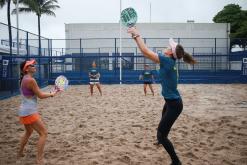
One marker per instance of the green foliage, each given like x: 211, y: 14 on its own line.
x: 241, y: 32
x: 233, y: 14
x: 2, y: 3
x: 38, y: 7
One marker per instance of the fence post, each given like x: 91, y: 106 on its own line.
x: 80, y: 46
x: 144, y: 39
x: 51, y: 59
x: 178, y: 60
x: 39, y: 62
x: 215, y: 55
x: 11, y: 63
x: 115, y: 58
x: 228, y: 53
x: 80, y: 59
x: 99, y: 57
x: 193, y: 52
x: 27, y: 47
x: 136, y: 59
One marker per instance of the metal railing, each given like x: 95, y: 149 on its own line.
x: 73, y: 58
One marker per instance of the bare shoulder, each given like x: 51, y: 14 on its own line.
x: 31, y: 81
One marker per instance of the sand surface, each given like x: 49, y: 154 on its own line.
x: 120, y: 127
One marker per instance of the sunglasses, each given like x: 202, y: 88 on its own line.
x: 31, y: 66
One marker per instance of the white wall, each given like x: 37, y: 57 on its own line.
x: 185, y: 31
x: 197, y: 38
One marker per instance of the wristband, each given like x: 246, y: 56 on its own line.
x: 135, y: 36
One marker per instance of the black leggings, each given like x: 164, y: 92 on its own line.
x: 171, y: 111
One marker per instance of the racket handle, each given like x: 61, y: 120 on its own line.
x: 57, y: 89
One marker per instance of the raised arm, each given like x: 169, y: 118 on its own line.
x: 142, y: 46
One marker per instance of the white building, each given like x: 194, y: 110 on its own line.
x: 192, y: 35
x: 197, y: 38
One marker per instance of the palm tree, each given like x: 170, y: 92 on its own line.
x: 38, y: 7
x: 2, y: 3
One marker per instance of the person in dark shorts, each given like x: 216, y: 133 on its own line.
x: 94, y: 77
x: 147, y: 77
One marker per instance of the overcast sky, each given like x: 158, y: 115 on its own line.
x: 107, y: 11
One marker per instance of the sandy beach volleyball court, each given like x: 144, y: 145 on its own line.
x: 119, y: 128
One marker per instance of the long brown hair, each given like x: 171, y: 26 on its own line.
x: 21, y: 69
x: 186, y: 56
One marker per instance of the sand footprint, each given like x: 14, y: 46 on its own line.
x: 183, y: 132
x: 100, y: 137
x: 191, y: 155
x: 147, y: 148
x: 137, y: 125
x: 125, y: 159
x: 137, y: 146
x: 221, y: 148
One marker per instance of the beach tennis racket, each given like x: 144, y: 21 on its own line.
x: 61, y: 83
x: 129, y: 17
x: 140, y: 77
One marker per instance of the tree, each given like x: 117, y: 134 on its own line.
x: 39, y: 7
x: 242, y: 31
x: 234, y: 15
x: 241, y: 36
x: 2, y: 3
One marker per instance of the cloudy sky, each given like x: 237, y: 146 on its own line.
x: 107, y: 11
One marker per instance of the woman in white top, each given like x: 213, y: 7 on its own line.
x: 28, y: 112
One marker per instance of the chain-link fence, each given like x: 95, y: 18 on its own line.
x: 216, y: 63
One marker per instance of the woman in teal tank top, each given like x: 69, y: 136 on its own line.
x: 168, y: 75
